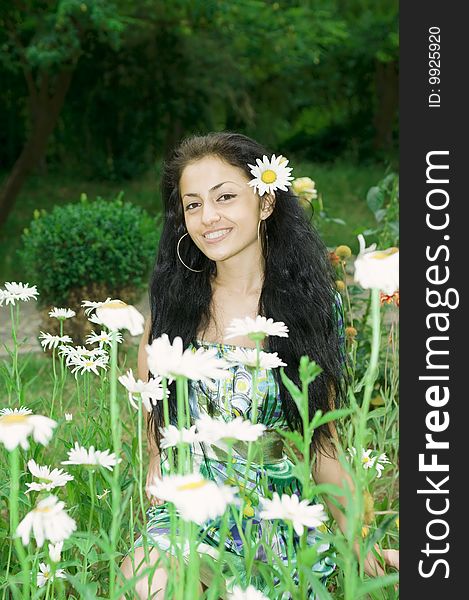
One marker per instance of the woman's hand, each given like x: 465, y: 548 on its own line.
x: 154, y: 471
x: 372, y: 565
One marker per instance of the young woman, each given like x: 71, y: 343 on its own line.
x: 233, y: 246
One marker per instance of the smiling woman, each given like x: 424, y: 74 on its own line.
x: 235, y: 246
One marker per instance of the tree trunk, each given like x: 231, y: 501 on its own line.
x: 45, y: 111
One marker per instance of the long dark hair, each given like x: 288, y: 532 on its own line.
x: 298, y: 283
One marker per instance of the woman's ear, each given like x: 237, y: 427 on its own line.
x: 267, y: 204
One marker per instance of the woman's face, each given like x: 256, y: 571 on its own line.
x: 221, y: 210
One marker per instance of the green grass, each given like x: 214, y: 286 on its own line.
x: 343, y: 187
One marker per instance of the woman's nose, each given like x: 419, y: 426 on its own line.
x: 209, y: 213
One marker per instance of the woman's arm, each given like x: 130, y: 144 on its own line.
x: 154, y: 468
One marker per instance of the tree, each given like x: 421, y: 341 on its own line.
x: 45, y: 40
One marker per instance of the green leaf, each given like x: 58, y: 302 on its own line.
x: 333, y: 415
x: 378, y: 583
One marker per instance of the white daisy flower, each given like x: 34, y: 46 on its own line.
x: 172, y: 436
x: 103, y: 338
x: 49, y: 479
x: 45, y: 575
x: 90, y: 306
x: 289, y: 508
x: 259, y: 325
x: 62, y: 313
x: 73, y: 355
x: 169, y: 360
x: 148, y: 391
x: 18, y: 424
x: 49, y: 341
x: 197, y: 499
x: 47, y: 521
x: 368, y: 461
x: 18, y: 291
x: 270, y: 175
x: 377, y: 269
x: 212, y: 430
x: 115, y: 314
x: 68, y: 417
x: 85, y: 365
x: 79, y: 455
x: 247, y: 357
x: 55, y: 550
x: 250, y: 593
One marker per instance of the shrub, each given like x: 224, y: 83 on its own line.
x: 90, y: 249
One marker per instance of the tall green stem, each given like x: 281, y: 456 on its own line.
x: 116, y: 491
x: 14, y: 519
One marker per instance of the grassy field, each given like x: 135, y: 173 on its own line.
x: 343, y: 187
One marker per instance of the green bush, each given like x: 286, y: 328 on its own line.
x: 109, y: 245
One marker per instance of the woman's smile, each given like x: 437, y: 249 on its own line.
x: 216, y: 235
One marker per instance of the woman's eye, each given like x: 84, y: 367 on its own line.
x: 226, y: 197
x: 188, y: 207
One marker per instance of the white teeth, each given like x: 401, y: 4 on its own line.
x: 216, y: 234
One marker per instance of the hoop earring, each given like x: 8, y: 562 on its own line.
x: 179, y: 256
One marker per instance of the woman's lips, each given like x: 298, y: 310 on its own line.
x: 217, y: 239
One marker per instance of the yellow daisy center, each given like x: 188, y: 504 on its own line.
x: 89, y: 363
x: 44, y: 509
x: 385, y: 253
x: 113, y: 304
x: 365, y: 460
x: 13, y: 419
x: 269, y: 176
x: 191, y: 486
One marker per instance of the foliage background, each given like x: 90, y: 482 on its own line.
x: 315, y: 80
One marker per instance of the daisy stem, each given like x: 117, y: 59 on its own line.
x: 14, y: 314
x: 10, y: 545
x: 306, y: 440
x: 14, y: 491
x: 181, y: 421
x: 62, y: 370
x: 140, y: 476
x: 254, y: 408
x: 90, y: 522
x: 164, y: 383
x: 54, y: 391
x: 116, y: 492
x: 373, y: 370
x: 347, y: 295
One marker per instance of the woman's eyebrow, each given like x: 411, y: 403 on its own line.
x: 215, y: 187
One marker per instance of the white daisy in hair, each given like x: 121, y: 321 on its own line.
x: 260, y: 326
x: 78, y: 455
x: 170, y: 360
x: 45, y: 574
x: 49, y: 341
x: 148, y: 391
x: 47, y: 521
x: 250, y: 593
x: 270, y: 175
x: 16, y: 425
x: 172, y: 436
x: 62, y: 313
x: 103, y: 338
x: 55, y: 550
x: 289, y: 508
x: 212, y: 430
x: 18, y: 291
x: 248, y: 357
x: 197, y: 499
x: 50, y: 479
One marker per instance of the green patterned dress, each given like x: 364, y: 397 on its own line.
x: 231, y: 398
